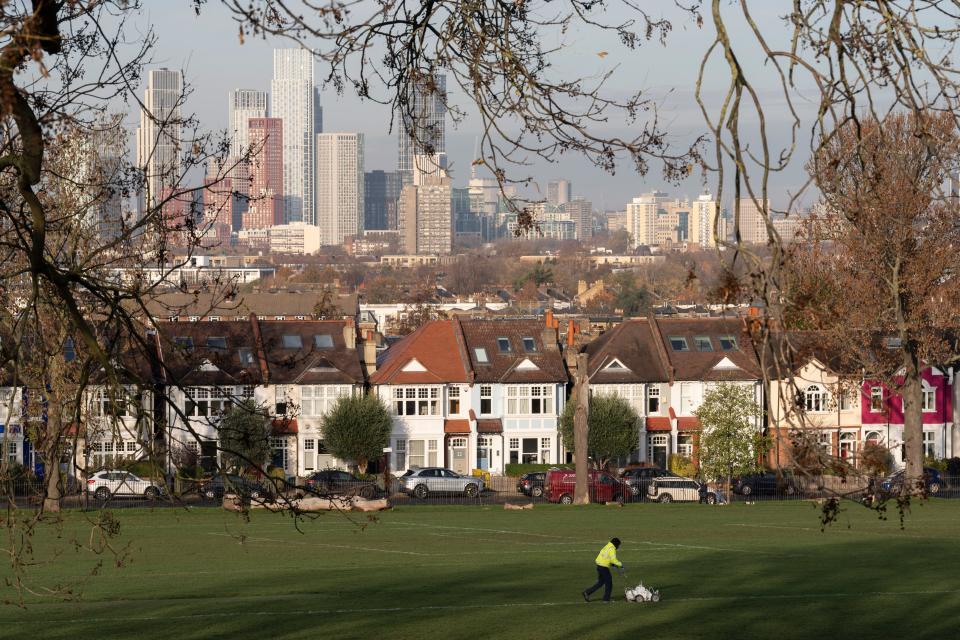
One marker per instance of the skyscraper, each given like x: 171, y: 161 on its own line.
x: 266, y: 174
x: 244, y: 104
x: 422, y: 126
x: 642, y: 217
x: 294, y: 96
x: 425, y: 216
x: 559, y: 192
x: 159, y: 135
x: 340, y: 186
x: 581, y: 212
x: 703, y: 213
x: 381, y: 190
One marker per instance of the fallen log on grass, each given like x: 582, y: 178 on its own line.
x: 517, y: 507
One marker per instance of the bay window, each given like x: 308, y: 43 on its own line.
x: 317, y: 399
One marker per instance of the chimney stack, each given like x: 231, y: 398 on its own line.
x: 349, y: 335
x: 369, y: 355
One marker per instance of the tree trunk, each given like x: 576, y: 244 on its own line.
x: 52, y: 496
x: 912, y: 394
x: 362, y: 465
x: 581, y: 395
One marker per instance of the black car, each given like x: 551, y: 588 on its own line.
x: 768, y: 483
x: 531, y: 484
x: 341, y: 483
x: 217, y: 486
x: 893, y: 484
x: 639, y: 479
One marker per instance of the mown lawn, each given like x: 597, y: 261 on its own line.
x: 760, y: 571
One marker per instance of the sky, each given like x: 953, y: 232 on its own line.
x: 207, y: 48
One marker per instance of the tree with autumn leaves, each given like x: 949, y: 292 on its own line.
x: 874, y: 271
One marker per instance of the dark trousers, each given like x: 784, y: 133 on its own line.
x: 605, y: 580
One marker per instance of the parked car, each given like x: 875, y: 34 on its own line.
x: 337, y: 482
x: 678, y: 489
x: 421, y: 482
x: 107, y: 484
x: 217, y: 486
x: 532, y: 484
x: 639, y: 478
x: 603, y: 486
x: 934, y: 482
x: 766, y: 483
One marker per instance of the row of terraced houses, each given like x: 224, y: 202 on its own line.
x: 480, y: 393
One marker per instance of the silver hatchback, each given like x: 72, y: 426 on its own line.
x: 422, y: 482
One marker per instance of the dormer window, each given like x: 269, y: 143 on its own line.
x: 217, y: 343
x: 678, y: 343
x: 727, y: 343
x: 246, y: 356
x: 184, y: 342
x: 529, y: 344
x: 323, y: 341
x: 702, y: 343
x: 503, y: 344
x: 292, y: 342
x: 481, y: 355
x: 69, y: 350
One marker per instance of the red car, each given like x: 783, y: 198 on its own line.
x: 603, y: 486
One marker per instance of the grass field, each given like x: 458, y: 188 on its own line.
x: 761, y: 571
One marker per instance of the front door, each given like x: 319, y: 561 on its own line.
x: 458, y: 455
x: 658, y: 449
x: 484, y: 452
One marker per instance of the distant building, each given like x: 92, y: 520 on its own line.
x: 580, y: 211
x: 340, y: 186
x: 243, y: 105
x: 559, y: 192
x: 548, y: 222
x: 426, y: 217
x: 616, y: 221
x: 752, y: 224
x: 294, y: 101
x: 704, y: 213
x: 642, y: 214
x: 422, y: 125
x: 373, y: 242
x: 381, y: 191
x: 295, y: 237
x: 159, y: 135
x: 266, y: 174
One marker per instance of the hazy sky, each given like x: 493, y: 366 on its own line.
x: 207, y: 48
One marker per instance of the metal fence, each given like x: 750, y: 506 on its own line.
x: 497, y: 490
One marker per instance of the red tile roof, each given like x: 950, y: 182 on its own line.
x: 456, y: 426
x: 284, y: 426
x: 438, y: 346
x: 490, y: 426
x: 658, y: 423
x: 688, y: 424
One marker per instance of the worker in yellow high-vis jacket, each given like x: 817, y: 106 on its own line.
x: 607, y: 558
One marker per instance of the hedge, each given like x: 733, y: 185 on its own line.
x: 517, y: 470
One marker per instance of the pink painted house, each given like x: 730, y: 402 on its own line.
x: 881, y: 411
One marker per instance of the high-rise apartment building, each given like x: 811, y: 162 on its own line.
x: 642, y: 214
x: 266, y: 173
x: 340, y: 186
x: 559, y: 192
x: 243, y: 105
x: 581, y: 212
x: 159, y: 135
x: 425, y: 215
x: 752, y: 226
x: 422, y: 126
x: 381, y: 191
x: 704, y: 213
x: 294, y: 101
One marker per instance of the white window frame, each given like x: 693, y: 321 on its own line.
x: 486, y: 393
x: 317, y: 399
x: 876, y: 399
x: 653, y: 393
x: 930, y: 444
x: 928, y: 399
x: 685, y: 445
x: 400, y: 454
x: 530, y: 400
x: 416, y: 401
x: 454, y: 396
x: 816, y: 399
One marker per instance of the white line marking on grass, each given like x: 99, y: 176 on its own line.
x: 452, y: 607
x: 320, y: 544
x: 895, y: 534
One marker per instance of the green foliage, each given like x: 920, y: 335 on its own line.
x: 613, y: 428
x: 730, y: 441
x: 682, y: 466
x: 633, y: 300
x: 145, y: 469
x: 875, y: 459
x: 357, y: 429
x: 940, y: 464
x: 517, y: 470
x: 244, y: 440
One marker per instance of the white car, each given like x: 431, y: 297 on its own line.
x: 107, y: 484
x: 678, y: 489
